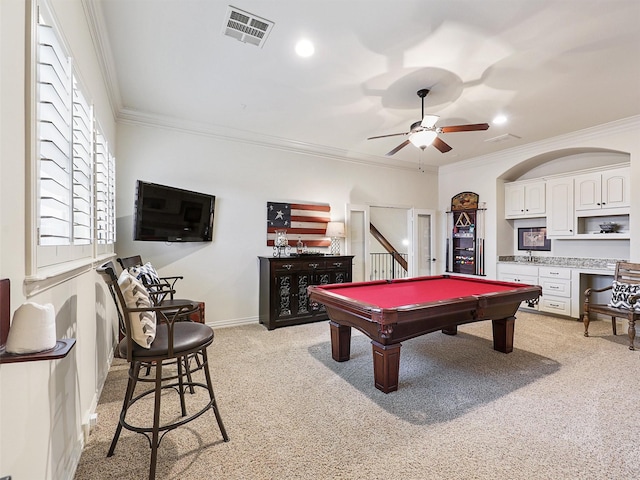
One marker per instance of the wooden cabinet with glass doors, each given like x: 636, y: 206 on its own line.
x: 465, y: 242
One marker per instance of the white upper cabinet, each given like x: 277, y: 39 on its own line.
x: 602, y: 190
x: 524, y: 199
x: 560, y: 214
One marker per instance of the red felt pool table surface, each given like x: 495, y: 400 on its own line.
x: 420, y: 290
x: 391, y: 311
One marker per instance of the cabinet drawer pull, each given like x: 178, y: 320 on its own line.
x: 554, y: 287
x: 337, y: 264
x: 554, y: 305
x: 314, y: 265
x: 554, y: 273
x: 288, y: 266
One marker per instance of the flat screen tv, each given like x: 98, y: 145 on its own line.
x: 169, y: 214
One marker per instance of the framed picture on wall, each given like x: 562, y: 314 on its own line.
x: 534, y: 238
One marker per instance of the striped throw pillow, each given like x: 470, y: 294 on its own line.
x: 143, y: 324
x: 150, y: 278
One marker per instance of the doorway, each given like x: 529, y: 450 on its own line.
x: 409, y: 231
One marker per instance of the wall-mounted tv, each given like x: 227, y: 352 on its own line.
x: 169, y: 214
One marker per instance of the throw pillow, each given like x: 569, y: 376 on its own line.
x: 143, y: 324
x: 150, y: 278
x: 621, y: 293
x: 145, y: 273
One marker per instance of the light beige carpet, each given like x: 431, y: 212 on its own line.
x: 560, y: 406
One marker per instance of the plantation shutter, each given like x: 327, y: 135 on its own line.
x: 105, y: 191
x: 74, y: 197
x: 82, y: 169
x: 111, y: 206
x: 54, y: 127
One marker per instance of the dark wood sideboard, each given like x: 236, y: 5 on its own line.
x: 284, y: 299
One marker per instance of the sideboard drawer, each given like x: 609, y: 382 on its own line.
x: 340, y: 264
x: 284, y: 266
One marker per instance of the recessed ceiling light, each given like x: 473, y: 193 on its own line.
x: 305, y: 48
x: 499, y: 119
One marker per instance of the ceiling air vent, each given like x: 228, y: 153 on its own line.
x: 246, y: 27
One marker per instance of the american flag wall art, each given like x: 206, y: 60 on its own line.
x: 305, y: 221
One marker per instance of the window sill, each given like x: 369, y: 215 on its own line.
x: 49, y: 277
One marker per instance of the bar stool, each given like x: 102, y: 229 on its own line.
x: 175, y: 341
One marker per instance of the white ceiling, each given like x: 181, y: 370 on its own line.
x: 552, y: 66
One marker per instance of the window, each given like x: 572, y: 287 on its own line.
x: 54, y: 128
x: 105, y: 192
x: 82, y: 169
x: 74, y: 175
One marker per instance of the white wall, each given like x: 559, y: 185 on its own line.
x: 486, y: 176
x: 244, y: 177
x: 44, y: 404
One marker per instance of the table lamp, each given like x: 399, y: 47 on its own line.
x: 335, y: 230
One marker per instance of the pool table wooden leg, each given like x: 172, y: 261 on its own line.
x: 503, y: 334
x: 450, y: 330
x: 340, y: 341
x: 386, y: 366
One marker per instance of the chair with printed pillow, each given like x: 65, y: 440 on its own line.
x: 625, y: 300
x: 162, y: 289
x: 154, y: 334
x: 148, y: 274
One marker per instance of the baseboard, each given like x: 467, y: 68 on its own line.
x: 234, y: 322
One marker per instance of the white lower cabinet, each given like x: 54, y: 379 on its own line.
x: 558, y: 305
x: 518, y: 273
x: 556, y: 290
x: 555, y: 283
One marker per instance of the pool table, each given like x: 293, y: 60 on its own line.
x: 390, y: 311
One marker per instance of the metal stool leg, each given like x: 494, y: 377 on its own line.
x: 155, y: 440
x: 134, y: 370
x: 214, y: 405
x: 180, y: 366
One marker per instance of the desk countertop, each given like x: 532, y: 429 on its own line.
x: 608, y: 264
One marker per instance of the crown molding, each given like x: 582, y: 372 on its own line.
x: 561, y: 142
x: 136, y: 117
x: 100, y: 40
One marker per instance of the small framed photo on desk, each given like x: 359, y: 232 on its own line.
x: 534, y: 238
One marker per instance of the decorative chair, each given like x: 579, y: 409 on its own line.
x: 625, y: 300
x: 167, y: 342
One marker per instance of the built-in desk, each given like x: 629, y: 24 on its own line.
x: 564, y: 280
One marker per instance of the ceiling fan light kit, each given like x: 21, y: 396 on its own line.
x: 423, y: 138
x: 424, y: 132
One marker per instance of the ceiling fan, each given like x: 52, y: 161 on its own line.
x: 424, y: 132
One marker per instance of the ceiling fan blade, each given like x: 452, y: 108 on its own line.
x: 390, y: 135
x: 399, y: 147
x: 440, y: 145
x: 429, y: 121
x: 465, y: 128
